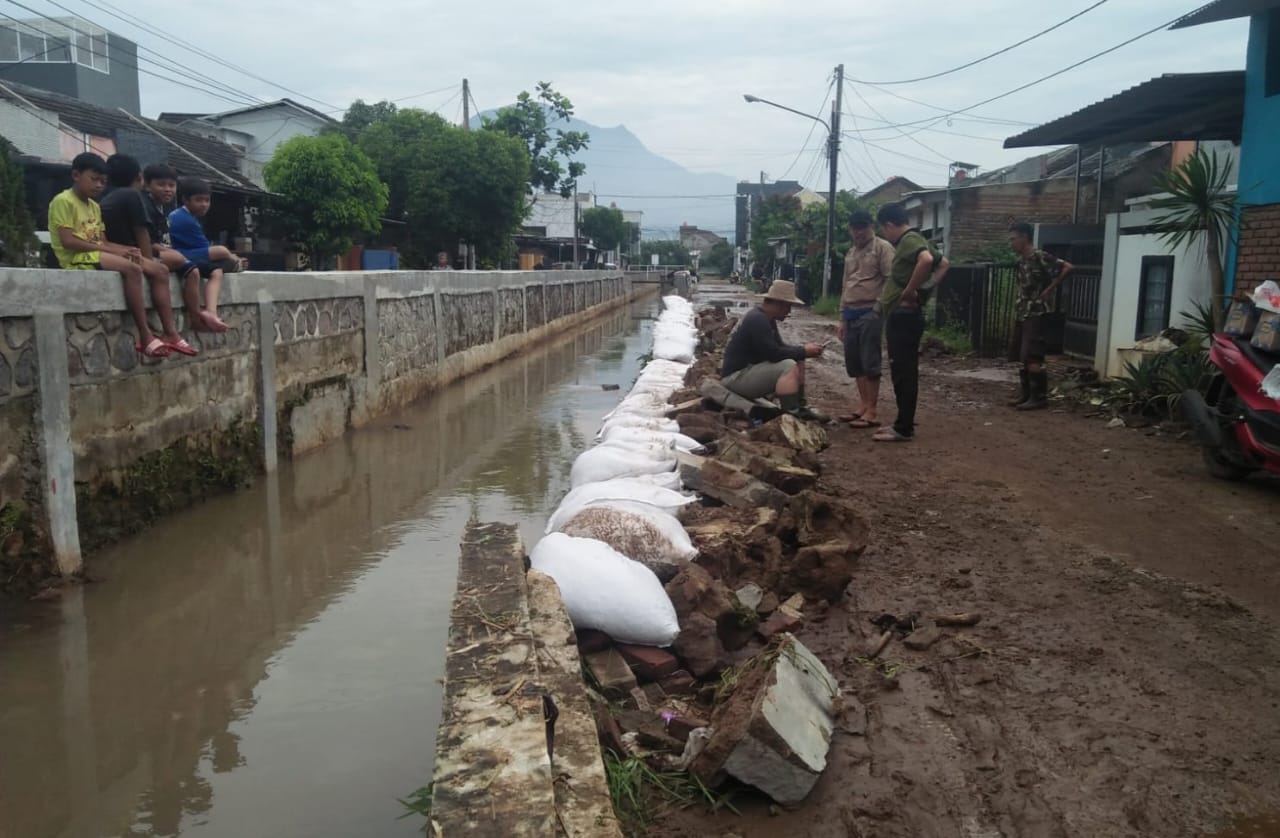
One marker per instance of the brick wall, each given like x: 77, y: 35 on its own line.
x: 981, y: 215
x: 1258, y: 257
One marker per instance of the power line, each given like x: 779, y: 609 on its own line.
x: 915, y: 140
x: 865, y: 152
x: 120, y: 14
x: 68, y: 45
x: 987, y: 57
x: 813, y: 126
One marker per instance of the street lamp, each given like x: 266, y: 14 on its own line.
x: 831, y: 196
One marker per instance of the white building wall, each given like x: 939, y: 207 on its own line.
x: 35, y: 134
x: 271, y: 128
x: 1191, y: 284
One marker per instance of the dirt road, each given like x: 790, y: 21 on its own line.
x: 1125, y: 677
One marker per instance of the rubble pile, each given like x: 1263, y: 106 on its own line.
x: 718, y: 503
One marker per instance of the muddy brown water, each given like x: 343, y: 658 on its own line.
x: 267, y: 664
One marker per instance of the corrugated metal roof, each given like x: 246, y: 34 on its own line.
x: 149, y: 140
x: 1225, y: 10
x: 1175, y: 106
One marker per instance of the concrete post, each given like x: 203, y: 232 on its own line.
x: 438, y: 310
x: 372, y: 338
x: 1107, y: 294
x: 268, y: 413
x: 53, y: 399
x: 497, y: 314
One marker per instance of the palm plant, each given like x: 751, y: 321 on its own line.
x: 1199, y: 204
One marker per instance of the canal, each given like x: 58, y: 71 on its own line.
x: 268, y: 664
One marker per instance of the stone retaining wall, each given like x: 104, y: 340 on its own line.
x: 90, y: 423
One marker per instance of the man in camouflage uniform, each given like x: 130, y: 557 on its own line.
x: 1039, y: 275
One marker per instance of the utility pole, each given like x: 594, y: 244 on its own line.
x: 466, y: 105
x: 575, y: 225
x: 834, y: 149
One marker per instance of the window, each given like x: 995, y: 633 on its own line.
x: 8, y: 44
x: 1155, y: 292
x: 1272, y: 76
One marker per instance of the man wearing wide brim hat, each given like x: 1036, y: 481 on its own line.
x: 757, y: 363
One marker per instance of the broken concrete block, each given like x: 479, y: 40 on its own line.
x: 683, y: 407
x: 699, y: 646
x: 647, y: 662
x: 774, y: 464
x: 641, y: 700
x: 795, y: 602
x: 774, y: 730
x: 704, y: 427
x: 727, y: 484
x: 749, y: 595
x: 650, y: 730
x: 785, y: 619
x: 679, y: 682
x: 792, y: 432
x: 680, y: 726
x: 694, y: 590
x: 611, y: 672
x: 768, y: 605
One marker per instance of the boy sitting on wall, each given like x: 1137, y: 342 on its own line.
x: 78, y: 240
x: 124, y: 214
x: 189, y: 239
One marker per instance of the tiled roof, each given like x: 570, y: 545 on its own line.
x: 149, y: 140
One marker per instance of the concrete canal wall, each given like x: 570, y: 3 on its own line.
x: 98, y: 441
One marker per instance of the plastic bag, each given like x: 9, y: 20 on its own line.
x: 622, y: 489
x: 654, y: 538
x: 1267, y: 296
x: 1271, y: 384
x: 604, y: 590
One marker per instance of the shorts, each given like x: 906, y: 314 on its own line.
x: 758, y: 380
x: 1033, y: 346
x: 862, y: 346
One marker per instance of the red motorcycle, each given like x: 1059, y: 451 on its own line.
x: 1238, y: 424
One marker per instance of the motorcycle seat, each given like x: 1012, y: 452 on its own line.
x: 1261, y: 359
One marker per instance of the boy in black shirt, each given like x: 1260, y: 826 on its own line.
x: 125, y: 219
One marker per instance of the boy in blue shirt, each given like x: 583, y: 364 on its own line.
x: 189, y: 239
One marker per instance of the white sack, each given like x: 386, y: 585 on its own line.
x: 656, y: 540
x: 606, y: 462
x: 604, y: 590
x: 622, y: 489
x: 629, y: 433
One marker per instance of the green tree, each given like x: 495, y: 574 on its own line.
x: 448, y: 184
x: 718, y: 259
x: 1199, y: 205
x: 531, y: 120
x: 17, y: 231
x: 605, y: 226
x: 331, y: 193
x: 361, y: 115
x: 669, y: 252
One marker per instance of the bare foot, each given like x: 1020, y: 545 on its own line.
x: 212, y: 323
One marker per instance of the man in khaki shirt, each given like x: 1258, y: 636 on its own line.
x: 865, y: 270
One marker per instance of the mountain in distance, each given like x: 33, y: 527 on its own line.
x: 619, y: 164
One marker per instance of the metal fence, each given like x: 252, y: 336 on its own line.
x: 980, y: 299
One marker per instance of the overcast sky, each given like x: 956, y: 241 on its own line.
x: 674, y: 71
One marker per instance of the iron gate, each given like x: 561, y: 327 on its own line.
x: 980, y: 299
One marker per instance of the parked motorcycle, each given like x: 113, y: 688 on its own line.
x: 1237, y: 424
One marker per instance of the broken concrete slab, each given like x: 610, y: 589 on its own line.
x: 774, y: 730
x: 769, y: 463
x: 794, y: 433
x: 694, y: 590
x: 726, y: 483
x: 583, y: 806
x: 785, y: 619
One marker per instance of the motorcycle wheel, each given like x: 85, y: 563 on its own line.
x: 1224, y: 462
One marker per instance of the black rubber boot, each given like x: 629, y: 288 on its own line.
x: 1024, y: 392
x: 795, y: 405
x: 1039, y: 390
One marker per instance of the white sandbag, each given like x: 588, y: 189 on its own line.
x: 622, y: 489
x: 604, y: 590
x: 640, y: 404
x: 626, y: 433
x: 665, y: 479
x: 654, y: 449
x: 606, y: 462
x: 633, y: 420
x: 657, y: 541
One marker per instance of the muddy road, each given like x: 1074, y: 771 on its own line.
x: 1125, y: 677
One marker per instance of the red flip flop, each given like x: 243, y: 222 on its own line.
x: 181, y: 345
x: 155, y: 348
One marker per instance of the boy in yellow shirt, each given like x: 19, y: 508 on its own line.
x: 79, y: 241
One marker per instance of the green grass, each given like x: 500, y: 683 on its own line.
x: 418, y: 803
x: 642, y: 794
x: 827, y: 306
x: 953, y: 336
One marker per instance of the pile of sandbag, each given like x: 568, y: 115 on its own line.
x: 615, y: 539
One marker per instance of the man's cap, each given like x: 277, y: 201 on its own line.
x: 861, y: 219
